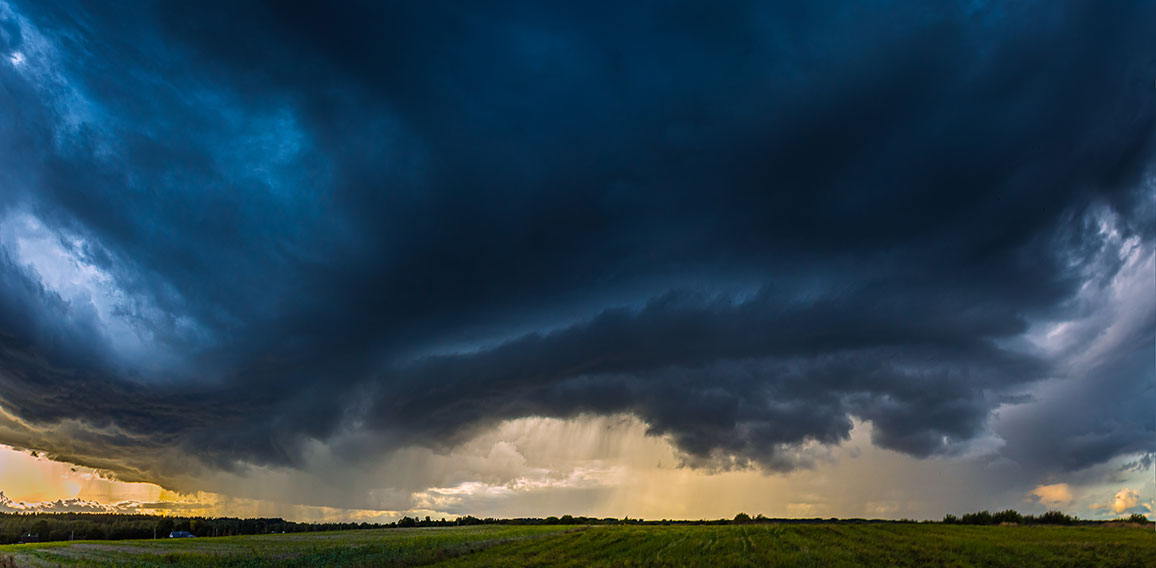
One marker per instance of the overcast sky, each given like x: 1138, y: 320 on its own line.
x: 649, y: 259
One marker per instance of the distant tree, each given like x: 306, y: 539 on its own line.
x: 950, y: 519
x: 1138, y: 518
x: 468, y: 520
x: 980, y: 518
x: 742, y: 518
x: 1009, y: 516
x: 1055, y: 518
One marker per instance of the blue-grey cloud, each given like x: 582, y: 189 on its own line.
x: 230, y: 228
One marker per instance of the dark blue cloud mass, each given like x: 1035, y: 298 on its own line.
x: 230, y: 228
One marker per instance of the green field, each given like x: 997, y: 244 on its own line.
x: 683, y: 545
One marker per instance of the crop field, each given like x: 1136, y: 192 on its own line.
x: 679, y: 545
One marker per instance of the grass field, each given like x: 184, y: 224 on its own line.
x: 722, y: 545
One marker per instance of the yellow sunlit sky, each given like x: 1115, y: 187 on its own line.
x: 603, y: 467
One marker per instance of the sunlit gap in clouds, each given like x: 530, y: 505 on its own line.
x: 589, y: 465
x: 75, y: 278
x: 33, y: 483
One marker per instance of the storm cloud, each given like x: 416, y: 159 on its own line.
x: 234, y: 229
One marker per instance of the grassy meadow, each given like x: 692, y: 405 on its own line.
x: 892, y: 544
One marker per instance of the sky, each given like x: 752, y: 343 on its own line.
x: 658, y: 260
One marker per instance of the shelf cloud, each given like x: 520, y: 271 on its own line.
x: 233, y: 233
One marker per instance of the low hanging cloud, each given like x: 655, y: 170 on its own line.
x: 7, y: 505
x: 1127, y: 501
x: 233, y: 233
x: 1054, y: 496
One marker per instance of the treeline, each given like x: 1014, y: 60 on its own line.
x: 106, y: 526
x: 981, y: 518
x: 110, y: 526
x: 468, y: 520
x: 103, y: 526
x: 741, y: 518
x: 1012, y: 517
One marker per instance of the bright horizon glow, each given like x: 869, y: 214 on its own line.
x: 616, y: 482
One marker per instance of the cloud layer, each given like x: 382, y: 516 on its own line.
x: 232, y: 233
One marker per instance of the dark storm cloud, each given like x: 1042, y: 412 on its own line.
x: 745, y: 224
x: 714, y: 374
x: 1091, y: 421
